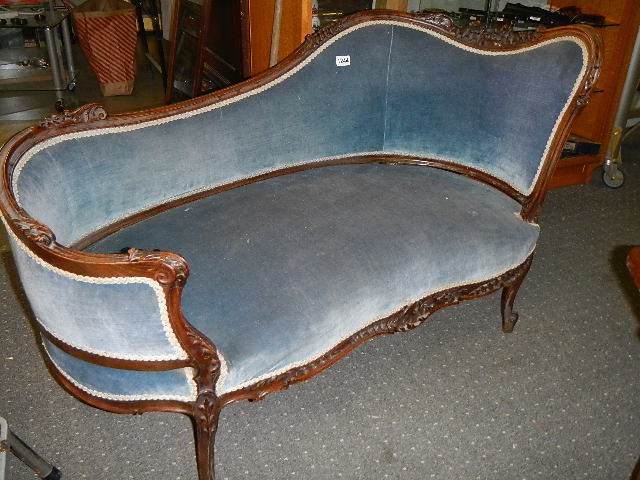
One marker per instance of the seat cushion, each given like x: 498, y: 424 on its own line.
x: 284, y: 269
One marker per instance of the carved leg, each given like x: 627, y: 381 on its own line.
x: 205, y: 425
x: 509, y: 292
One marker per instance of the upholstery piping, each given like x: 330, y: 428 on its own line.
x: 129, y: 398
x: 95, y: 351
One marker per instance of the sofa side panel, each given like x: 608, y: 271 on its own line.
x: 118, y: 317
x: 493, y: 111
x: 119, y: 384
x: 332, y: 105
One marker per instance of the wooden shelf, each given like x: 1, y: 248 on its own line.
x: 575, y: 170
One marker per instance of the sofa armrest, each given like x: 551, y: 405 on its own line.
x: 117, y: 310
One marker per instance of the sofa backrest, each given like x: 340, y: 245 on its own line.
x: 380, y: 86
x: 494, y: 111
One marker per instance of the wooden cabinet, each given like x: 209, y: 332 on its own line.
x: 218, y: 43
x: 294, y: 27
x: 208, y: 47
x: 595, y: 121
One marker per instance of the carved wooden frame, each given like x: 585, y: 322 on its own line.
x: 171, y: 270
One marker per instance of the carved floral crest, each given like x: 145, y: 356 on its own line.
x: 474, y: 34
x: 477, y: 35
x: 87, y: 113
x: 36, y: 231
x: 174, y: 269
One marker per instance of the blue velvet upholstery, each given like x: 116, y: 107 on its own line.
x: 116, y: 320
x: 113, y: 383
x: 404, y: 91
x: 283, y: 269
x: 320, y: 111
x: 491, y: 112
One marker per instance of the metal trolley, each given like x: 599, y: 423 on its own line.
x: 627, y: 120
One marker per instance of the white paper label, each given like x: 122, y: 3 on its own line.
x: 343, y: 60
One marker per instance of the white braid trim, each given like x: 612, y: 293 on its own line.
x: 129, y: 398
x: 128, y: 128
x: 220, y: 387
x: 224, y: 371
x: 155, y: 286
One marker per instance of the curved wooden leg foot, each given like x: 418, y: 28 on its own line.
x: 205, y: 425
x: 509, y: 292
x: 509, y: 317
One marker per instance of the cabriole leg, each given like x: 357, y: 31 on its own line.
x: 205, y: 424
x: 509, y: 292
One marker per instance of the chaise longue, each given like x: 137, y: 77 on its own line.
x: 220, y: 249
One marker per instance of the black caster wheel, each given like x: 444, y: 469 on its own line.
x: 59, y: 106
x: 72, y: 86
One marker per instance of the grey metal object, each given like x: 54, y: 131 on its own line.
x: 54, y: 61
x: 66, y: 43
x: 10, y: 442
x: 3, y: 451
x: 612, y: 175
x: 59, y: 54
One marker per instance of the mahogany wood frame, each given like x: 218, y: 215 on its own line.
x: 171, y: 270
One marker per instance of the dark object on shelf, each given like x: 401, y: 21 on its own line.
x: 563, y: 16
x: 107, y: 33
x: 576, y: 145
x: 520, y: 17
x: 209, y: 47
x: 535, y: 14
x: 10, y: 442
x: 493, y: 20
x: 575, y: 15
